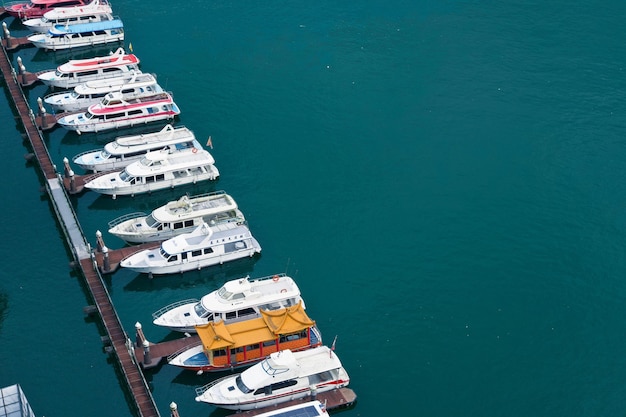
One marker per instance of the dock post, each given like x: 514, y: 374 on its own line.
x: 42, y: 113
x: 147, y: 360
x: 313, y: 393
x: 7, y: 35
x: 139, y: 337
x: 72, y: 182
x: 99, y: 240
x: 106, y: 263
x: 66, y: 167
x: 174, y: 409
x: 22, y: 70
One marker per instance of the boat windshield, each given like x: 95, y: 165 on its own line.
x: 224, y: 294
x: 152, y: 222
x: 242, y: 387
x: 59, y: 73
x: 269, y: 369
x: 125, y: 176
x: 202, y: 312
x: 44, y: 19
x: 104, y: 154
x: 75, y: 95
x: 89, y: 115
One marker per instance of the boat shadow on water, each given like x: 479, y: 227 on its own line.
x: 215, y: 275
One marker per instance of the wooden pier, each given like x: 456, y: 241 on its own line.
x: 84, y: 255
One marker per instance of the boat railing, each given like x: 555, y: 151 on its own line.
x: 126, y: 217
x: 211, y: 194
x: 172, y: 306
x: 85, y: 153
x: 201, y: 390
x: 274, y: 277
x: 183, y: 349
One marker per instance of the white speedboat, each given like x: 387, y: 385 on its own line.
x: 228, y: 346
x: 80, y: 35
x: 78, y: 71
x: 205, y: 246
x: 131, y: 85
x: 95, y: 11
x: 128, y: 149
x: 236, y: 300
x: 156, y: 171
x: 113, y: 112
x: 177, y: 217
x: 281, y: 377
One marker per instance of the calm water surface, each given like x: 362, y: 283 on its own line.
x: 444, y: 181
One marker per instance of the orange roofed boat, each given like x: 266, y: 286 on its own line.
x: 227, y: 346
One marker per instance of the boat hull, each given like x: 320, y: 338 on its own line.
x: 122, y: 123
x: 59, y: 43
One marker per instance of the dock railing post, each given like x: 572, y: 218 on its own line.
x: 99, y: 241
x: 72, y: 182
x: 66, y: 167
x: 174, y: 409
x: 106, y: 263
x: 7, y: 35
x: 147, y: 360
x: 139, y: 338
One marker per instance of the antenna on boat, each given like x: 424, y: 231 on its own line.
x: 332, y: 347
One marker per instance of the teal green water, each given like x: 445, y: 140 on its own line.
x: 444, y: 181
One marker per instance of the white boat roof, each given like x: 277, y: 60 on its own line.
x: 247, y: 293
x: 285, y: 365
x: 116, y: 59
x: 202, y: 237
x: 195, y: 206
x: 96, y: 6
x: 164, y: 161
x: 63, y: 29
x: 132, y: 79
x: 134, y: 143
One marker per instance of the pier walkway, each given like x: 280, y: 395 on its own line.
x: 84, y: 256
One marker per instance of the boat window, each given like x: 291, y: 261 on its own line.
x: 104, y: 154
x: 231, y: 315
x: 252, y: 347
x: 246, y: 312
x: 83, y: 73
x: 74, y: 95
x: 178, y: 225
x: 184, y: 256
x: 134, y: 112
x: 238, y: 296
x: 267, y: 367
x: 160, y: 177
x: 200, y: 310
x: 151, y: 221
x: 188, y: 223
x: 219, y: 352
x: 242, y: 387
x: 125, y: 176
x: 172, y: 258
x: 267, y: 390
x: 208, y: 250
x: 224, y: 294
x: 269, y: 343
x: 196, y: 253
x: 105, y: 70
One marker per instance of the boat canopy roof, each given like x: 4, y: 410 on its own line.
x: 271, y: 324
x: 62, y: 29
x: 96, y: 6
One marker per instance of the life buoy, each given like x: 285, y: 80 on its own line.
x: 194, y: 150
x: 283, y: 290
x: 275, y: 278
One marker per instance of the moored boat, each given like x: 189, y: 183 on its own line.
x: 177, y: 217
x: 95, y: 11
x: 77, y: 71
x: 132, y: 85
x: 281, y: 377
x: 125, y: 150
x: 244, y: 343
x: 156, y: 171
x: 206, y: 246
x: 79, y: 35
x: 113, y: 112
x: 37, y: 8
x: 236, y: 300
